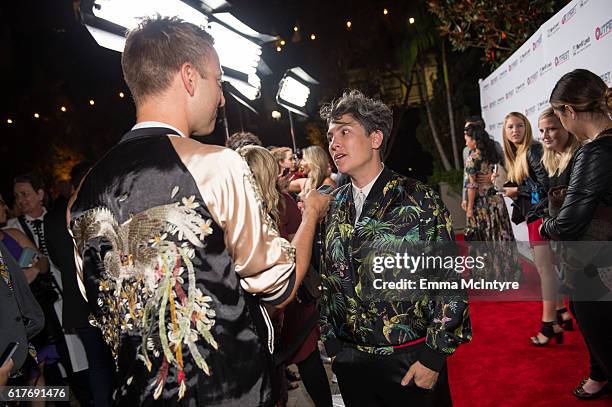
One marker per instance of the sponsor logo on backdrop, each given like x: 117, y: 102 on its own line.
x: 537, y: 42
x: 543, y: 104
x: 525, y: 54
x: 493, y: 81
x: 603, y: 30
x: 484, y: 108
x: 500, y: 125
x: 485, y: 86
x: 520, y: 87
x: 583, y: 3
x: 513, y: 65
x: 532, y: 78
x: 530, y: 110
x: 492, y: 127
x: 503, y: 73
x: 606, y: 78
x: 552, y: 30
x: 562, y: 58
x: 492, y: 105
x: 501, y: 100
x: 581, y: 46
x: 545, y: 68
x: 569, y: 15
x: 509, y: 94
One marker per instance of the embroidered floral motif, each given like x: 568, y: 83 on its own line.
x: 149, y: 284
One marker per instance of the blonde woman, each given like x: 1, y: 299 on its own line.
x: 317, y: 168
x: 295, y: 333
x: 559, y: 149
x: 264, y: 169
x: 528, y: 188
x: 285, y: 158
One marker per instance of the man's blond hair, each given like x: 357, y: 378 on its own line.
x: 155, y: 51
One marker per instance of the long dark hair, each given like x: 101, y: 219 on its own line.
x: 484, y: 144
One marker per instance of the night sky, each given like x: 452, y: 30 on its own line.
x: 49, y: 60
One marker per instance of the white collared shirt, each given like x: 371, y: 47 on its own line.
x: 145, y: 125
x: 365, y: 191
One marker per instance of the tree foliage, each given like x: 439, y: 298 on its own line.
x: 498, y: 27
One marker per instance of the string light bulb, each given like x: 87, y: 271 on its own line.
x: 411, y: 20
x: 385, y: 11
x: 295, y: 28
x: 9, y: 121
x: 349, y: 24
x: 313, y: 37
x: 63, y: 109
x: 282, y: 42
x: 278, y: 49
x: 92, y: 102
x: 121, y: 95
x: 36, y: 115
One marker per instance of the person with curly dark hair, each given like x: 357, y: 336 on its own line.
x: 485, y: 209
x: 389, y: 351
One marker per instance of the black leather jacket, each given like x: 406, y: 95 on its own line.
x: 537, y: 181
x: 590, y: 185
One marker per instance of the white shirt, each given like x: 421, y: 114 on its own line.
x: 360, y: 194
x: 14, y: 223
x: 146, y: 125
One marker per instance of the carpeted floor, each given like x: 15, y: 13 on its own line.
x: 501, y: 368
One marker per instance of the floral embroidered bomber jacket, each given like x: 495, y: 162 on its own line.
x: 397, y: 211
x: 178, y: 256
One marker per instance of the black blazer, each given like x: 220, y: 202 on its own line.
x: 20, y: 315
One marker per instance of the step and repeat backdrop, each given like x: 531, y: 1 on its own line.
x: 579, y: 36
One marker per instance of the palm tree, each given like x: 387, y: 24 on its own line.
x: 419, y: 43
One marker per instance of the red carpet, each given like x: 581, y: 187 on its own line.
x: 501, y: 368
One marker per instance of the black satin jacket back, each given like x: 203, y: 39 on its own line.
x: 183, y: 332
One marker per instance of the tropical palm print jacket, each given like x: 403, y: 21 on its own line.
x: 397, y: 211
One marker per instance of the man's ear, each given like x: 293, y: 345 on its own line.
x: 572, y: 112
x: 41, y: 194
x: 376, y: 139
x: 188, y: 77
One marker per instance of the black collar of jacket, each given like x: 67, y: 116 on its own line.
x: 147, y: 132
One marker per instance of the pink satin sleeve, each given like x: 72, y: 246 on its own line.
x: 263, y: 259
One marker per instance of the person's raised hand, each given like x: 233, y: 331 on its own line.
x: 317, y: 203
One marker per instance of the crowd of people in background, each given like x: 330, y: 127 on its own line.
x: 560, y: 187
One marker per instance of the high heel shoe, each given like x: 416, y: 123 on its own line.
x: 566, y: 324
x: 548, y: 330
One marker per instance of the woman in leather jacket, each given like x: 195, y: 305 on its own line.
x: 583, y: 103
x: 528, y: 192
